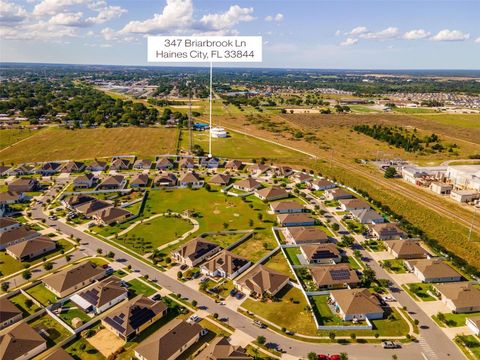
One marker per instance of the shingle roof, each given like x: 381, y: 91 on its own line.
x: 221, y: 349
x: 31, y: 246
x: 8, y: 310
x: 16, y: 234
x: 286, y: 205
x: 338, y: 274
x: 189, y: 177
x: 461, y: 294
x: 307, y: 234
x: 356, y: 301
x: 18, y: 341
x: 59, y: 354
x: 320, y: 251
x: 67, y: 278
x: 226, y: 261
x: 103, y: 292
x: 272, y: 192
x: 196, y: 248
x: 406, y: 248
x: 263, y: 279
x: 248, y: 183
x: 222, y: 179
x: 433, y: 268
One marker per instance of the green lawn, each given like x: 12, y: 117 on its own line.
x: 42, y: 294
x: 288, y: 312
x: 56, y: 332
x: 149, y: 235
x: 396, y: 266
x: 324, y: 314
x: 471, y: 343
x: 224, y: 240
x: 292, y: 253
x: 467, y: 121
x: 278, y: 263
x: 257, y: 246
x: 19, y: 301
x: 419, y: 290
x: 454, y: 320
x: 374, y: 245
x: 81, y: 349
x: 137, y: 287
x: 353, y: 263
x: 11, y: 136
x: 71, y: 311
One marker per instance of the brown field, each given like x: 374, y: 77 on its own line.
x: 62, y: 144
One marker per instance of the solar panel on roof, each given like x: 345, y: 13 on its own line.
x: 340, y: 274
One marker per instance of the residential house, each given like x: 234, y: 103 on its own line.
x: 322, y: 185
x: 84, y: 181
x: 461, y: 297
x: 139, y: 180
x: 248, y: 185
x: 257, y: 170
x: 112, y: 215
x: 473, y: 324
x: 170, y: 341
x: 49, y: 168
x: 225, y: 265
x: 305, y: 235
x: 97, y: 166
x: 337, y: 194
x: 9, y: 313
x: 191, y: 179
x: 120, y: 164
x: 262, y: 280
x: 112, y: 183
x: 356, y: 304
x: 23, y: 169
x: 8, y: 223
x: 354, y: 204
x: 221, y: 349
x: 31, y: 249
x: 71, y: 279
x: 59, y: 354
x: 220, y: 179
x: 164, y: 163
x: 433, y: 270
x: 21, y: 342
x: 165, y: 180
x: 287, y: 207
x: 73, y: 167
x: 271, y: 193
x: 296, y: 219
x: 210, y: 163
x: 302, y: 178
x: 102, y: 295
x: 367, y: 216
x: 321, y: 253
x: 23, y: 185
x: 91, y: 208
x: 77, y: 200
x: 284, y: 171
x: 195, y: 251
x: 406, y: 249
x: 16, y: 235
x: 186, y: 163
x: 144, y: 164
x: 387, y: 231
x: 234, y: 165
x: 441, y: 188
x: 9, y: 198
x: 134, y: 316
x: 334, y: 276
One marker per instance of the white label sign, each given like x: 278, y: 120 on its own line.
x: 205, y: 49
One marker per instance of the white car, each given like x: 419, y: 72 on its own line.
x: 194, y: 318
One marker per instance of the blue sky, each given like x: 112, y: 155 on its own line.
x: 297, y: 34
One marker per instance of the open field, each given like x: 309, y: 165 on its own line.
x: 62, y: 144
x: 469, y: 121
x: 278, y: 263
x: 224, y: 240
x: 256, y: 247
x: 11, y: 136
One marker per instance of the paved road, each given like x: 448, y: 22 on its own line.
x: 238, y: 321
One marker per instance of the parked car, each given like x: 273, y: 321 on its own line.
x: 323, y: 357
x: 184, y: 267
x: 259, y: 324
x: 335, y: 357
x: 194, y: 318
x: 239, y: 295
x: 233, y: 292
x: 390, y: 345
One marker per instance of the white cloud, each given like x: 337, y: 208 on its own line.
x: 349, y: 42
x: 225, y: 21
x: 416, y: 34
x: 357, y: 31
x: 277, y: 18
x: 106, y: 13
x: 38, y: 31
x: 68, y: 19
x: 450, y: 35
x: 53, y: 7
x: 388, y: 33
x: 11, y: 13
x: 477, y: 40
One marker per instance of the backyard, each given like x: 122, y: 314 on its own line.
x: 42, y: 294
x: 453, y: 320
x: 70, y: 311
x: 278, y: 263
x: 257, y: 246
x: 56, y: 332
x: 292, y: 255
x: 82, y: 349
x: 21, y: 301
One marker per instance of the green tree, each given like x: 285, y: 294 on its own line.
x: 390, y: 173
x: 261, y: 339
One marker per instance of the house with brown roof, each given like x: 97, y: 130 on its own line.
x: 296, y: 219
x: 9, y: 198
x: 92, y: 208
x: 322, y: 185
x: 259, y: 169
x: 164, y: 163
x: 262, y: 280
x: 234, y: 165
x: 473, y: 324
x: 112, y: 215
x: 9, y: 313
x: 21, y: 342
x: 337, y: 194
x: 76, y: 200
x: 210, y: 162
x: 186, y: 163
x: 305, y: 235
x: 59, y: 354
x: 356, y: 304
x: 49, y: 168
x: 134, y: 316
x: 16, y: 236
x: 73, y: 167
x: 74, y: 278
x: 31, y: 249
x: 302, y: 178
x: 225, y: 265
x: 321, y: 253
x: 120, y: 164
x: 84, y: 181
x: 191, y: 179
x: 112, y: 182
x: 4, y: 170
x: 195, y: 251
x: 287, y: 207
x: 102, y: 295
x: 406, y: 249
x: 271, y: 193
x: 220, y: 179
x: 23, y: 185
x: 165, y: 180
x: 367, y: 216
x: 139, y: 180
x: 248, y: 185
x: 8, y: 223
x: 460, y: 297
x: 170, y: 341
x: 386, y: 231
x: 221, y: 349
x: 284, y: 171
x: 353, y: 204
x: 144, y: 164
x: 334, y: 276
x: 97, y: 166
x: 433, y: 270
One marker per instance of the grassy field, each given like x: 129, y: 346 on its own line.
x: 137, y: 287
x: 19, y: 301
x: 278, y: 263
x: 455, y: 320
x: 281, y: 312
x: 469, y: 343
x: 42, y: 294
x: 396, y: 266
x: 324, y: 314
x: 81, y: 349
x: 469, y: 121
x: 62, y: 144
x: 11, y: 136
x: 256, y: 247
x: 292, y: 253
x: 224, y: 240
x: 420, y: 291
x: 71, y: 311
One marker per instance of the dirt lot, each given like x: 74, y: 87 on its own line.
x: 105, y: 342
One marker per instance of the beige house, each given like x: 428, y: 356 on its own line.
x: 195, y: 251
x: 30, y: 249
x: 406, y: 249
x: 16, y: 235
x: 21, y: 343
x: 225, y: 265
x: 473, y: 324
x: 9, y: 313
x: 305, y: 235
x: 356, y: 304
x: 321, y: 253
x: 433, y: 270
x: 334, y: 276
x: 271, y: 194
x: 461, y: 297
x: 386, y: 231
x: 286, y: 207
x: 247, y: 184
x: 221, y: 349
x: 262, y: 280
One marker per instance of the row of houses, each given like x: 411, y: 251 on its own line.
x: 103, y: 212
